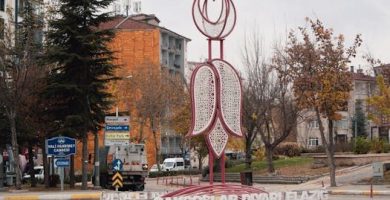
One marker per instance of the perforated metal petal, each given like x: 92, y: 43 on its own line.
x: 230, y: 96
x: 218, y: 138
x: 204, y: 98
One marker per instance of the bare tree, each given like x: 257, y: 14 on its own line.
x: 19, y: 50
x: 153, y: 94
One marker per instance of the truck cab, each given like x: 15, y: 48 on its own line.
x: 174, y: 164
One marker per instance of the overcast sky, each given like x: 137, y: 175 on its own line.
x: 274, y: 18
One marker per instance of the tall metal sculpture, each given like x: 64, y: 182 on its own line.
x: 215, y: 86
x: 216, y: 99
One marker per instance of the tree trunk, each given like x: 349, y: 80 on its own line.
x: 97, y: 161
x: 141, y: 131
x: 84, y: 164
x: 157, y: 150
x: 45, y: 165
x: 248, y: 154
x: 270, y: 163
x: 200, y: 163
x: 31, y: 165
x: 331, y: 161
x: 71, y: 172
x: 15, y: 149
x: 1, y: 169
x: 328, y: 148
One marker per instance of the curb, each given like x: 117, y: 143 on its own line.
x: 89, y: 196
x: 359, y: 192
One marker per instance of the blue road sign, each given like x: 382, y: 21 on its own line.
x: 117, y: 128
x: 117, y: 165
x: 62, y: 162
x: 61, y: 146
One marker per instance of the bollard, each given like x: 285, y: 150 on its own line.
x: 184, y: 181
x: 157, y: 180
x: 371, y: 192
x: 323, y: 185
x: 171, y: 180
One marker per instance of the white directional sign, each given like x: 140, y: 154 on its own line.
x: 117, y: 130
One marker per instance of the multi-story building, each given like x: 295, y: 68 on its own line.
x: 363, y: 87
x: 382, y: 130
x: 140, y: 40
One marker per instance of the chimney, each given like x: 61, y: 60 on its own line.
x: 352, y: 69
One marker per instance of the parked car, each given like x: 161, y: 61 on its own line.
x: 174, y: 164
x: 155, y: 168
x: 39, y: 174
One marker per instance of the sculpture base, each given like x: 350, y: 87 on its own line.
x: 215, y: 190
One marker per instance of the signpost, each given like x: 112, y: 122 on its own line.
x: 117, y: 179
x: 62, y: 162
x: 61, y: 147
x: 117, y: 130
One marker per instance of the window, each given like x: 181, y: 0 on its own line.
x: 179, y: 164
x: 2, y: 5
x: 341, y: 124
x: 313, y: 142
x: 313, y: 124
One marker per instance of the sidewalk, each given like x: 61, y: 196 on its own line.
x: 377, y: 190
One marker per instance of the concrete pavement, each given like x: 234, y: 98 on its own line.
x: 345, y: 178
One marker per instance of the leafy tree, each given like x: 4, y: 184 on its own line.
x: 380, y: 103
x: 322, y: 83
x: 19, y: 69
x: 82, y: 68
x: 153, y: 95
x: 359, y: 120
x: 181, y: 122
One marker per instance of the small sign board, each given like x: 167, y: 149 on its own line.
x: 62, y: 162
x: 377, y: 169
x: 117, y: 165
x: 117, y: 130
x: 61, y: 146
x: 117, y: 180
x: 114, y: 119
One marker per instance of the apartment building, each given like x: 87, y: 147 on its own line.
x: 140, y: 39
x: 308, y: 130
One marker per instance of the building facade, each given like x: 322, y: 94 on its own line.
x: 141, y: 42
x: 363, y: 87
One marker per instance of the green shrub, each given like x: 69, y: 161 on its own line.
x: 173, y: 173
x: 362, y: 146
x: 289, y: 149
x: 259, y: 154
x: 377, y: 145
x: 386, y: 148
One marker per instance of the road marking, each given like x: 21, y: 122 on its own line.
x: 89, y: 196
x: 24, y: 197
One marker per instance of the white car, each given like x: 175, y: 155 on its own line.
x: 174, y: 164
x: 155, y: 168
x: 39, y: 174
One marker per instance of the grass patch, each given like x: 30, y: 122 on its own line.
x: 282, y: 162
